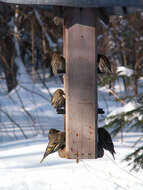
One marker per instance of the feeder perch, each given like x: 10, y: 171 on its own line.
x: 60, y: 111
x: 60, y: 72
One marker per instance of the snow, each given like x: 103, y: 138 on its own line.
x: 124, y: 71
x: 29, y: 107
x: 125, y: 108
x: 130, y: 106
x: 20, y: 167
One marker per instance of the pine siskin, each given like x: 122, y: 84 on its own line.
x: 56, y: 142
x: 58, y: 100
x: 62, y: 152
x: 105, y: 141
x: 52, y: 133
x: 104, y: 66
x: 58, y: 20
x: 58, y: 64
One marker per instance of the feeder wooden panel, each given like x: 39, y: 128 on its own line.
x: 81, y: 96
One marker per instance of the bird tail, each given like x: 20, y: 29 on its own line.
x: 45, y: 155
x: 113, y: 156
x: 42, y: 159
x: 113, y: 152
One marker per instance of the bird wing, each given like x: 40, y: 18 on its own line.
x: 106, y: 141
x: 103, y: 64
x: 56, y: 142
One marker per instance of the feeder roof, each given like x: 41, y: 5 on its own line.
x: 80, y: 3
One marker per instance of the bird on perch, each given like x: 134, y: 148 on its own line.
x: 58, y: 64
x: 56, y: 142
x: 105, y: 141
x: 100, y: 150
x: 58, y: 99
x: 104, y: 65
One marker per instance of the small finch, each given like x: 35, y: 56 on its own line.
x: 58, y: 64
x: 58, y: 20
x: 105, y: 140
x: 104, y: 66
x: 58, y: 100
x: 52, y: 133
x: 56, y: 142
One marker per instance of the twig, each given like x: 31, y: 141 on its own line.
x: 44, y: 84
x: 116, y: 96
x: 138, y: 62
x: 34, y: 92
x: 51, y: 43
x: 33, y: 47
x: 23, y: 107
x: 10, y: 118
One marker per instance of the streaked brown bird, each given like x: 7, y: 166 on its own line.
x: 104, y: 65
x: 58, y: 20
x: 58, y: 64
x: 56, y: 142
x: 52, y: 133
x: 58, y: 100
x: 105, y: 140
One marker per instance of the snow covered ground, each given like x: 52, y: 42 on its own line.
x: 20, y: 167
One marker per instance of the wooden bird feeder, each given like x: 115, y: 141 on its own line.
x: 79, y: 36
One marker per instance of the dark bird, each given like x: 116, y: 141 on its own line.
x: 100, y: 111
x: 100, y: 151
x: 58, y: 64
x: 104, y: 66
x: 58, y: 100
x: 105, y: 140
x: 56, y: 142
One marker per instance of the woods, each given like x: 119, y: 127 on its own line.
x: 29, y: 36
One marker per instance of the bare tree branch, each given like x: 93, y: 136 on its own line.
x: 116, y: 96
x: 51, y: 43
x: 12, y: 120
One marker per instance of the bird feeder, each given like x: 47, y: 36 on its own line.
x: 79, y: 36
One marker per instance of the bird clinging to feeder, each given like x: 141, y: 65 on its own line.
x: 104, y: 65
x: 100, y: 150
x: 56, y: 142
x: 52, y: 133
x: 58, y: 100
x: 58, y: 20
x: 58, y: 64
x: 105, y: 141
